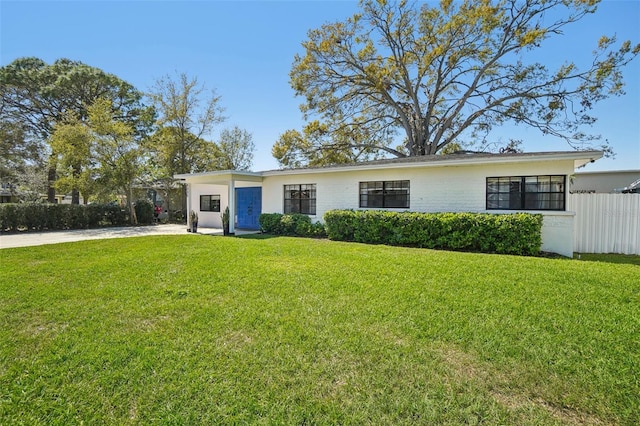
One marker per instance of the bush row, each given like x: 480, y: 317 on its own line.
x: 44, y: 216
x: 519, y: 233
x: 298, y: 225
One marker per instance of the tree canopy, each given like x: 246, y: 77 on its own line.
x: 99, y: 136
x: 236, y: 149
x: 38, y: 96
x: 191, y: 112
x: 447, y: 73
x: 187, y: 115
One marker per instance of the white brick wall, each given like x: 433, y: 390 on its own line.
x: 432, y: 189
x: 452, y: 188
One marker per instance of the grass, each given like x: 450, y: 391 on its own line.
x: 210, y: 330
x: 631, y: 259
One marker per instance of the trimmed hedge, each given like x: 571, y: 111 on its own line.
x: 144, y: 211
x: 45, y: 216
x: 297, y: 225
x: 518, y: 233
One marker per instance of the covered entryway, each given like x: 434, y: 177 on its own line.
x: 238, y: 190
x: 249, y: 207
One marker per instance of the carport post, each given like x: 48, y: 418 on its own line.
x: 232, y: 206
x: 188, y: 212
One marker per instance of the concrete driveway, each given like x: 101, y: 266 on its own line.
x: 26, y: 239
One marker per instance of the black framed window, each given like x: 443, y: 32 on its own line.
x: 300, y: 199
x: 385, y: 194
x: 209, y: 203
x: 526, y: 192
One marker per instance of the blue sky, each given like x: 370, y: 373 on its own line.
x: 244, y: 50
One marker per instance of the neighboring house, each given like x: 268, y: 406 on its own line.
x: 8, y: 193
x: 603, y: 181
x: 67, y: 199
x: 487, y: 183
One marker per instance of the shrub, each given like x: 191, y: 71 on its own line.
x: 144, y: 211
x: 519, y: 233
x: 45, y: 216
x: 11, y: 217
x: 290, y: 224
x: 114, y: 215
x: 270, y: 223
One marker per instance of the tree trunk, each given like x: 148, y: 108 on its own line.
x: 133, y: 219
x: 75, y: 196
x: 51, y: 191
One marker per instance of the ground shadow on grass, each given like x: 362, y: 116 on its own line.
x: 257, y: 236
x: 630, y: 259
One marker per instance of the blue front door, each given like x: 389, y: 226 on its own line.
x: 249, y: 207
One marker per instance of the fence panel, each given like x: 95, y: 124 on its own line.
x: 606, y: 223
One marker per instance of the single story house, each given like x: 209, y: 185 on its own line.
x: 487, y: 183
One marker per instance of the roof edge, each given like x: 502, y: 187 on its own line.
x: 580, y: 158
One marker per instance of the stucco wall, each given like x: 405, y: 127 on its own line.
x: 209, y: 219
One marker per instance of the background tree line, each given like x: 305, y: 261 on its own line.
x: 68, y: 127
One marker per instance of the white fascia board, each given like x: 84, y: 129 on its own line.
x: 579, y: 158
x: 221, y: 176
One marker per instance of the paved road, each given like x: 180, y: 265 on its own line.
x: 26, y: 239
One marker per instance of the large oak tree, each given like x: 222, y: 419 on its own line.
x: 447, y: 73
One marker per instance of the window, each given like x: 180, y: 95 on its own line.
x: 386, y: 194
x: 300, y: 199
x: 526, y: 193
x: 209, y: 203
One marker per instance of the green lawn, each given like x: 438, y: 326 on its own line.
x: 196, y: 329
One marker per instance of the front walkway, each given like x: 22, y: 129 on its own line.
x: 27, y: 239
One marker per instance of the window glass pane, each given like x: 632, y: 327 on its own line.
x: 557, y: 183
x: 290, y: 206
x: 385, y: 194
x: 215, y: 203
x: 544, y: 184
x: 515, y: 201
x: 533, y: 201
x: 210, y: 203
x: 305, y: 207
x: 531, y: 183
x: 287, y: 192
x: 371, y: 194
x: 537, y: 193
x: 396, y: 194
x: 376, y: 200
x: 300, y: 199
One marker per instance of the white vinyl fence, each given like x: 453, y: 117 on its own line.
x: 606, y: 223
